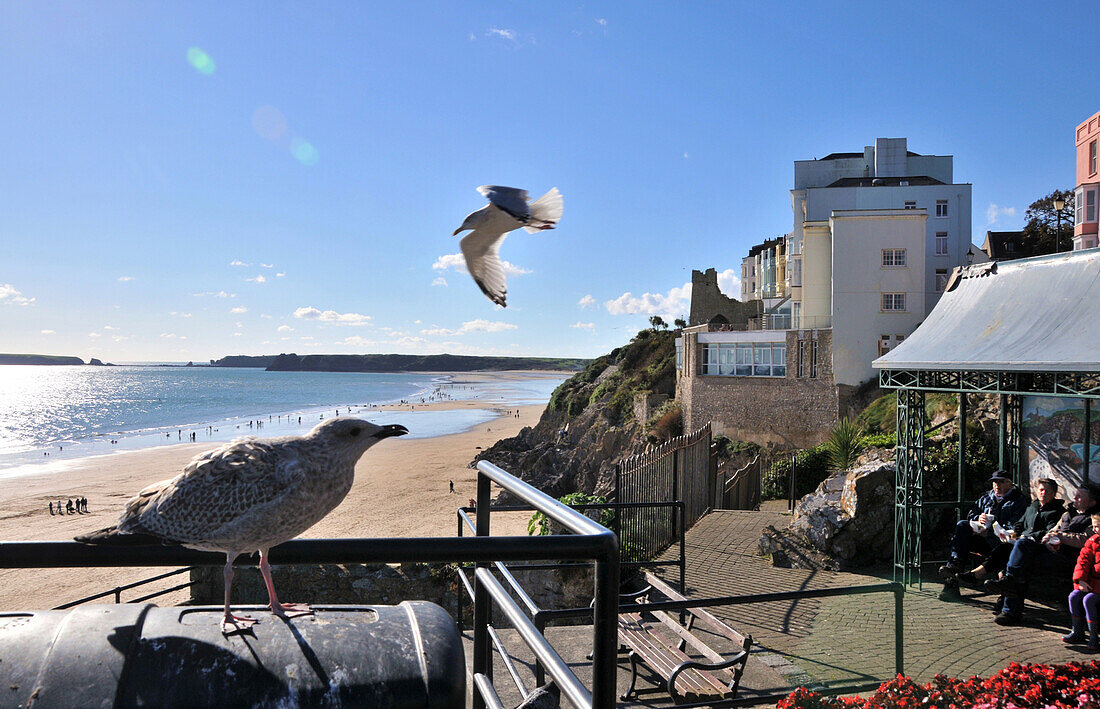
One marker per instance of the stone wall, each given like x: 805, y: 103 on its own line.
x: 708, y: 301
x: 790, y: 411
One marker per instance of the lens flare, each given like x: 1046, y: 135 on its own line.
x: 201, y: 61
x: 304, y: 152
x: 269, y: 123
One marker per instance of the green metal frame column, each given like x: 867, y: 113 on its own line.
x: 1013, y: 439
x: 909, y: 486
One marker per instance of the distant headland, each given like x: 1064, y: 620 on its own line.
x: 397, y: 363
x: 46, y: 359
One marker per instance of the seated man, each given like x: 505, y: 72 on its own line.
x: 1039, y: 518
x: 1003, y: 504
x: 1053, y: 555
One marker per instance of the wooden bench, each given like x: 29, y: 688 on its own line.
x: 658, y: 640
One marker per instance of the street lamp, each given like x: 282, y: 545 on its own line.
x: 1059, y: 204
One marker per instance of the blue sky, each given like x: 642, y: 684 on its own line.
x: 183, y: 181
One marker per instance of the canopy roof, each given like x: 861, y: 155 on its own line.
x: 1030, y: 315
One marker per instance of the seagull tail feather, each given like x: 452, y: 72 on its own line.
x: 545, y: 212
x: 112, y: 536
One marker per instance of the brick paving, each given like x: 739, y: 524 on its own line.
x: 848, y: 639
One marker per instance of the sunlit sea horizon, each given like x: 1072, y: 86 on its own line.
x: 54, y: 413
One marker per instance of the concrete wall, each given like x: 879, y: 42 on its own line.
x: 859, y: 280
x: 789, y: 411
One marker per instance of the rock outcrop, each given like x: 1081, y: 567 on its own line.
x: 590, y: 423
x: 847, y: 521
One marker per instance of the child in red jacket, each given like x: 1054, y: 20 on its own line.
x: 1084, y: 599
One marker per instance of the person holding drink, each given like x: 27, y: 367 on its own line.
x: 1053, y: 555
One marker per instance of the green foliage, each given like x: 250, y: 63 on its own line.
x: 1044, y: 231
x: 845, y: 444
x: 666, y: 423
x: 646, y: 364
x: 657, y: 322
x: 725, y: 447
x: 881, y: 440
x: 539, y: 524
x: 813, y: 467
x: 881, y: 415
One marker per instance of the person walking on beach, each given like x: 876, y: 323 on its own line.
x: 51, y: 505
x: 69, y: 506
x: 452, y: 485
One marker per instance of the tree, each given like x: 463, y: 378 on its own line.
x: 658, y: 323
x: 680, y: 323
x: 1041, y: 233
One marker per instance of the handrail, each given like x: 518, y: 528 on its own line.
x: 117, y: 590
x: 589, y: 541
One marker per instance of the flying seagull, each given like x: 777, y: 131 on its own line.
x: 508, y: 209
x: 250, y: 495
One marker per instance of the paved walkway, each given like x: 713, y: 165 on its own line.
x: 848, y: 639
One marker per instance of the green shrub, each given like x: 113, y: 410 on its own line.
x: 667, y: 422
x: 881, y: 440
x: 539, y: 524
x: 813, y: 467
x: 845, y: 444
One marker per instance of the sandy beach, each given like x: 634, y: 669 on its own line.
x: 401, y: 490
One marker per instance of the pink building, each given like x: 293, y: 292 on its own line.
x: 1088, y: 185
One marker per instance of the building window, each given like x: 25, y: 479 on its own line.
x: 941, y: 243
x: 813, y: 359
x: 745, y: 359
x: 1010, y: 246
x: 883, y: 344
x: 801, y: 358
x: 1090, y: 205
x: 1092, y: 158
x: 893, y: 258
x: 679, y: 355
x: 941, y: 280
x: 893, y: 302
x: 941, y: 207
x: 910, y: 205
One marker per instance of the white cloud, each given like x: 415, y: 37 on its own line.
x: 586, y: 302
x: 109, y: 327
x: 601, y: 22
x: 168, y: 335
x: 583, y: 325
x: 124, y: 279
x: 236, y: 334
x: 219, y: 294
x: 265, y: 317
x: 10, y: 296
x: 507, y: 34
x: 48, y: 332
x: 478, y: 325
x: 257, y: 279
x: 358, y: 341
x: 120, y: 338
x: 238, y: 310
x: 267, y: 265
x: 993, y: 213
x: 279, y: 275
x: 176, y: 313
x: 730, y: 283
x: 284, y: 328
x: 237, y: 262
x: 441, y: 281
x: 94, y: 334
x: 671, y: 305
x: 331, y: 316
x: 456, y: 262
x: 238, y: 325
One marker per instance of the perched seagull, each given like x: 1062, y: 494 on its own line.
x: 507, y: 210
x: 249, y: 495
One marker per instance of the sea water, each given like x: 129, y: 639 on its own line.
x: 53, y: 413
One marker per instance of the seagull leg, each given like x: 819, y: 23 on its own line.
x: 232, y: 623
x: 283, y: 610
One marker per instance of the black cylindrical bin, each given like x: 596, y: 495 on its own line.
x: 409, y: 655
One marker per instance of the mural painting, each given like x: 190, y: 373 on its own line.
x: 1054, y: 441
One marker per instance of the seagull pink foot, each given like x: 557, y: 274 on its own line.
x: 236, y: 623
x: 291, y: 610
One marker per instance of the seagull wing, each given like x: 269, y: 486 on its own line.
x: 508, y: 199
x: 481, y: 249
x: 214, y: 490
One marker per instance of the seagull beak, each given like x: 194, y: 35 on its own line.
x: 394, y: 430
x: 456, y: 231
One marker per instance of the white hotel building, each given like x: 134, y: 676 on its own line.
x: 875, y: 237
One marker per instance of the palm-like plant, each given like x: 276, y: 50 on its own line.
x: 845, y: 444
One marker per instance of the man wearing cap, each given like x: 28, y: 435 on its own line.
x: 1053, y: 555
x: 1004, y: 504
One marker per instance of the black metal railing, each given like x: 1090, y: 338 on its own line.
x: 588, y: 540
x: 117, y: 590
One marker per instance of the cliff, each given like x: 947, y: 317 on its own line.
x: 593, y: 420
x: 38, y: 359
x: 414, y: 363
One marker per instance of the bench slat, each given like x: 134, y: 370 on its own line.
x: 702, y: 614
x: 663, y: 657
